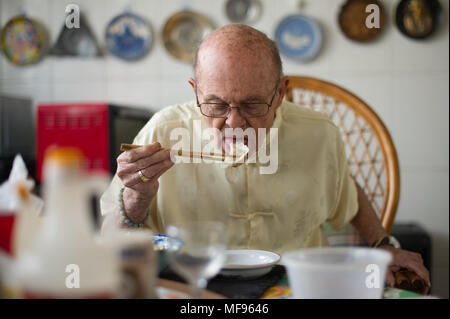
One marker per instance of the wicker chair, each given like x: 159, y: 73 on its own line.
x: 372, y: 158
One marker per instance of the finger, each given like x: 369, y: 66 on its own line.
x: 163, y: 170
x: 131, y: 168
x: 157, y: 157
x: 135, y: 154
x: 420, y: 270
x: 152, y: 171
x: 141, y: 164
x: 133, y: 179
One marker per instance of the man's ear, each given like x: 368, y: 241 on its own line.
x: 282, y: 89
x: 192, y: 83
x: 284, y: 85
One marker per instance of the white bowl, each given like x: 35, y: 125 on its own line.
x: 247, y: 263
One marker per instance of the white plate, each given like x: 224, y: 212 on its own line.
x: 246, y: 263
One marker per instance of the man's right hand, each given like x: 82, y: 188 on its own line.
x: 152, y: 161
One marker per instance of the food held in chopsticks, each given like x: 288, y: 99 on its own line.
x: 238, y: 154
x: 239, y: 151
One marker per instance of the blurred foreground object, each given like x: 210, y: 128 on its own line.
x: 64, y: 260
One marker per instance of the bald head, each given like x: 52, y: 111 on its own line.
x: 238, y: 42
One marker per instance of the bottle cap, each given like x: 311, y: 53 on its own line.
x: 64, y: 155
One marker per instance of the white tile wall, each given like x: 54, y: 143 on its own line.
x: 405, y: 81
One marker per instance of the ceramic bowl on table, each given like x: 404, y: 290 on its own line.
x: 248, y: 264
x: 161, y: 244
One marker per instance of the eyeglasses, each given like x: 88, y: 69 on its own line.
x: 222, y: 110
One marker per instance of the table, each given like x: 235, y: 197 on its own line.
x: 178, y: 286
x: 283, y: 291
x: 274, y: 285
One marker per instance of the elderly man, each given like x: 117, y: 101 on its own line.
x: 239, y: 84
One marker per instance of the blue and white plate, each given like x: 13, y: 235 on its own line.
x: 128, y: 37
x: 299, y: 37
x: 161, y: 244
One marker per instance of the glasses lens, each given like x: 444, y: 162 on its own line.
x: 214, y: 110
x: 253, y: 110
x: 246, y: 110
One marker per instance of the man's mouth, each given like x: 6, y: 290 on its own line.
x: 229, y: 141
x: 235, y: 140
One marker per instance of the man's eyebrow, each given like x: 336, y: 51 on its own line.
x: 212, y: 97
x: 252, y: 98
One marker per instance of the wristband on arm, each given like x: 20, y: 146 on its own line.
x: 124, y: 215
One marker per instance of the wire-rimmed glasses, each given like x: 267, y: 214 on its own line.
x: 247, y: 110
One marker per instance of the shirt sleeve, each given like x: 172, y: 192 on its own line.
x: 346, y: 206
x: 109, y: 201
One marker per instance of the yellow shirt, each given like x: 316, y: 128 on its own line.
x: 276, y: 212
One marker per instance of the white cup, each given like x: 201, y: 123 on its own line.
x: 337, y: 273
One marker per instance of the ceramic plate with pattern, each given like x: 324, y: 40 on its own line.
x: 24, y: 40
x: 299, y: 37
x: 418, y: 19
x: 128, y: 37
x: 243, y: 11
x: 356, y: 19
x: 183, y: 32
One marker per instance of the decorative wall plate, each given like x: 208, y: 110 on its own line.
x: 24, y: 40
x: 243, y: 11
x: 183, y: 32
x: 352, y: 20
x: 299, y: 37
x: 128, y: 36
x: 418, y: 19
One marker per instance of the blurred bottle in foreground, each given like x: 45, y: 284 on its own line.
x: 64, y: 260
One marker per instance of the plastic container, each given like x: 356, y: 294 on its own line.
x: 138, y: 262
x: 337, y: 273
x: 64, y: 260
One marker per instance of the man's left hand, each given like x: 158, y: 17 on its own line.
x: 405, y: 259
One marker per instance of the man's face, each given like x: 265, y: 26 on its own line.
x: 236, y: 82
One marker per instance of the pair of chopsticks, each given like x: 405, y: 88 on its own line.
x: 211, y: 156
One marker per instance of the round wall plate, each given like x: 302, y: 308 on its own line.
x: 418, y: 19
x: 183, y: 32
x: 299, y: 37
x: 243, y: 11
x: 128, y: 37
x: 352, y: 20
x: 24, y: 40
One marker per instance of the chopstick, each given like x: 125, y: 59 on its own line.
x: 212, y: 156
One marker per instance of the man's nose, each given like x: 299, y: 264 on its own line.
x: 235, y: 119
